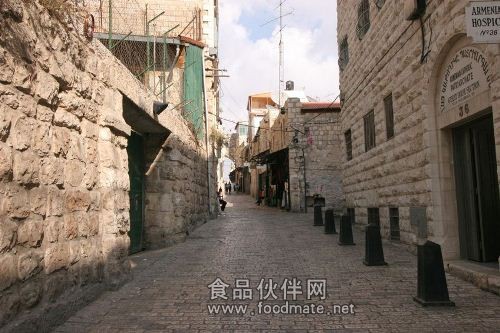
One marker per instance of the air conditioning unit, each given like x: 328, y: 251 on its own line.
x: 414, y: 9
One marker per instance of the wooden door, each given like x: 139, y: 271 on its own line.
x: 136, y: 165
x: 477, y: 190
x: 487, y: 187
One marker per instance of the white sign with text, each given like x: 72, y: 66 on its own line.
x: 467, y: 74
x: 482, y: 19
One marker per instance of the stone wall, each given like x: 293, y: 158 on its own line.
x: 64, y: 204
x: 176, y: 191
x: 320, y: 146
x: 414, y: 168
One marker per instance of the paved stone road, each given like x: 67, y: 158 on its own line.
x: 169, y: 291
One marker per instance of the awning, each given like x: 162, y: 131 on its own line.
x: 140, y: 120
x: 277, y: 156
x: 260, y: 156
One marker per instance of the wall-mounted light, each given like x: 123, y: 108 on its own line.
x: 414, y: 9
x: 159, y: 107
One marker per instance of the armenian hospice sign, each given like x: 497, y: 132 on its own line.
x: 466, y: 74
x: 482, y: 19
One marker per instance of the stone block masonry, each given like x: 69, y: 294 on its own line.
x: 176, y: 192
x: 315, y: 159
x: 412, y: 169
x: 64, y: 178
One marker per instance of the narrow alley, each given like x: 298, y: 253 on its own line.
x: 169, y: 290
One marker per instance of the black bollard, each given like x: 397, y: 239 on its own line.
x: 432, y: 289
x: 318, y: 216
x: 345, y: 236
x: 374, y: 252
x: 329, y: 222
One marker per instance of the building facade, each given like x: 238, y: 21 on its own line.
x: 91, y: 167
x: 306, y: 142
x: 240, y: 175
x: 172, y: 47
x: 421, y: 124
x: 295, y: 154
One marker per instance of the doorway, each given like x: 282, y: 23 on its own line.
x: 477, y: 190
x: 136, y: 164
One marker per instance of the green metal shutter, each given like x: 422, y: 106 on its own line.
x: 193, y: 89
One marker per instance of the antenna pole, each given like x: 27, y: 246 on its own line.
x: 282, y: 56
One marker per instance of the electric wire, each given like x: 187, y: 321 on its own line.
x: 356, y: 89
x: 278, y: 130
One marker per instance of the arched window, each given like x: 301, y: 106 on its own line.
x: 363, y: 18
x: 343, y: 53
x: 379, y: 3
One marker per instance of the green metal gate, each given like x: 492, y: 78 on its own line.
x: 136, y: 169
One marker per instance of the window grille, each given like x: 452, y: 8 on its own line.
x: 348, y: 144
x: 369, y: 124
x: 343, y: 53
x: 379, y: 3
x: 373, y: 216
x: 389, y: 116
x: 394, y: 223
x: 363, y: 18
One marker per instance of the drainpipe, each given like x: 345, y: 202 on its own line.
x: 207, y: 143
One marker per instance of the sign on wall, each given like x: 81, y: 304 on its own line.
x: 482, y: 19
x: 466, y: 74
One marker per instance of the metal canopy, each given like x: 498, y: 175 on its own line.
x: 140, y: 120
x: 276, y: 156
x: 136, y: 38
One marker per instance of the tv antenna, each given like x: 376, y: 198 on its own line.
x: 282, y: 55
x: 281, y: 75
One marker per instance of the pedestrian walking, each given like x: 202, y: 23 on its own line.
x: 260, y: 197
x: 222, y: 202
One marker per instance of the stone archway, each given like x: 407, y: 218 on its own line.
x: 459, y: 91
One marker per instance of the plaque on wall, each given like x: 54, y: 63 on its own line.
x: 466, y: 74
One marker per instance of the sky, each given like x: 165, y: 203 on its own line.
x: 249, y: 50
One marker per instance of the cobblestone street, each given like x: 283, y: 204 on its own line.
x: 169, y: 291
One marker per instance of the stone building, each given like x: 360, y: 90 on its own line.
x: 295, y: 154
x: 172, y: 47
x: 421, y: 122
x: 238, y: 154
x: 257, y: 108
x: 306, y: 143
x: 90, y: 168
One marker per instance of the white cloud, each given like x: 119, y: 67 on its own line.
x: 310, y: 51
